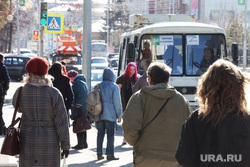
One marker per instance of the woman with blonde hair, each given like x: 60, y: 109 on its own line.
x: 218, y: 133
x: 44, y: 129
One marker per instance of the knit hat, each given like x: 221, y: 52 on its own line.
x: 37, y: 66
x: 55, y: 69
x: 72, y: 73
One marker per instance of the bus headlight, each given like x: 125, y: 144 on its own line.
x: 184, y: 90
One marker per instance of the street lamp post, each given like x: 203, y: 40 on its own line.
x: 28, y: 5
x: 10, y: 40
x: 18, y: 35
x: 10, y: 18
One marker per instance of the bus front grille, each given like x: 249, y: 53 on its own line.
x: 186, y: 90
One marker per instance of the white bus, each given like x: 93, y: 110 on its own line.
x: 99, y: 49
x: 178, y: 44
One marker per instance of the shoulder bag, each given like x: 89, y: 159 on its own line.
x: 154, y: 117
x: 81, y: 122
x: 11, y: 145
x: 140, y: 134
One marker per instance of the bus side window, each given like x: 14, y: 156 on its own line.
x: 124, y: 43
x: 130, y: 52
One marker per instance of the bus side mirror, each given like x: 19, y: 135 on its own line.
x: 234, y: 51
x: 130, y: 52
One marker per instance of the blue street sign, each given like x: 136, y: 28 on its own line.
x: 55, y: 24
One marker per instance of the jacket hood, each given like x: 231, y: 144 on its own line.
x: 108, y: 75
x: 55, y: 70
x: 80, y: 77
x: 161, y: 91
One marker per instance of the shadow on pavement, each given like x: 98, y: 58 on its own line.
x: 97, y: 164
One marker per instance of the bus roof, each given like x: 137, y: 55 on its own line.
x: 176, y: 28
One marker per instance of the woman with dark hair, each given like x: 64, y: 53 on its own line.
x: 125, y: 83
x: 206, y: 61
x: 221, y: 126
x: 62, y: 83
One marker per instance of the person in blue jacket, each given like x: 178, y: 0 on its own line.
x: 112, y: 111
x: 81, y: 91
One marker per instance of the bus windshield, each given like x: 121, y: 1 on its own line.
x: 99, y: 50
x: 186, y: 54
x: 99, y: 47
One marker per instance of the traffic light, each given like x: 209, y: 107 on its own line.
x: 44, y: 14
x: 35, y: 35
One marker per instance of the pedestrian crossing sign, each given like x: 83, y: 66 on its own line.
x: 55, y: 24
x: 74, y: 27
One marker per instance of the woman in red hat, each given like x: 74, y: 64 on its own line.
x: 44, y: 127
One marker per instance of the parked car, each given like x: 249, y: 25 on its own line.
x: 113, y: 63
x: 23, y: 50
x: 96, y: 77
x: 111, y: 55
x: 31, y: 55
x: 16, y: 65
x: 99, y: 63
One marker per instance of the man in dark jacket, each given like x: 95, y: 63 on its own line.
x: 4, y: 86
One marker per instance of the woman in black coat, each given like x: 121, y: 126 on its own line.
x: 62, y: 83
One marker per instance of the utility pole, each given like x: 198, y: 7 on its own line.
x: 108, y: 24
x: 169, y: 6
x: 40, y: 31
x: 245, y: 39
x: 86, y: 42
x: 173, y: 5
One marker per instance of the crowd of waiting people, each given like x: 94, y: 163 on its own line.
x: 157, y: 119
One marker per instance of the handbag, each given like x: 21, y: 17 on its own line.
x: 81, y: 122
x: 11, y: 145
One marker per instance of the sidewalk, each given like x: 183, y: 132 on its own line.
x: 6, y: 160
x: 78, y: 158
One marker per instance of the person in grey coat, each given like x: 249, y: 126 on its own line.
x: 44, y: 128
x: 140, y: 83
x: 112, y: 110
